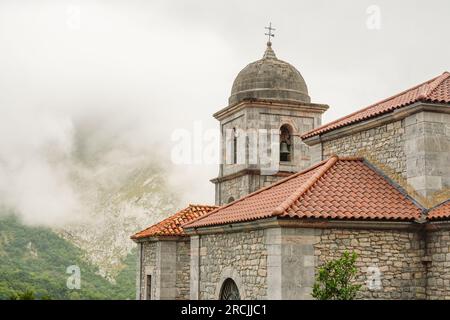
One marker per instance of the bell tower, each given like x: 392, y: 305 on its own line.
x: 268, y: 109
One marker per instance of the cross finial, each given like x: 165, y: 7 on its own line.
x: 270, y: 34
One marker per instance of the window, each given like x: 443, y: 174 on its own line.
x: 285, y: 143
x: 230, y: 200
x: 234, y: 146
x: 229, y: 290
x: 148, y: 292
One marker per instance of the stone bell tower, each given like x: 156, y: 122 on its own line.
x: 268, y: 96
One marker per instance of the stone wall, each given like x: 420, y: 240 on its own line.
x: 148, y: 261
x: 241, y: 186
x: 183, y: 270
x: 438, y: 271
x: 167, y: 262
x: 428, y: 153
x: 234, y: 188
x: 243, y: 253
x: 384, y: 144
x: 393, y: 257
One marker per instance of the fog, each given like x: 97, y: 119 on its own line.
x: 91, y: 88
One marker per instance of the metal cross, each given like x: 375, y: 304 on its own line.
x: 270, y: 34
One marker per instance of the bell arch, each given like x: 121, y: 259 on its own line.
x: 286, y: 143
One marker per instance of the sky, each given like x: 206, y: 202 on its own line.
x: 109, y: 81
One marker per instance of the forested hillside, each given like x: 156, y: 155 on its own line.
x: 36, y: 259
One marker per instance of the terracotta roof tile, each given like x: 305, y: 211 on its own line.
x: 436, y: 90
x: 172, y: 226
x: 440, y: 212
x: 338, y: 188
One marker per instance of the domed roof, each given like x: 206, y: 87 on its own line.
x: 269, y: 78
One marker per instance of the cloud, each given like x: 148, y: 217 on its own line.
x: 90, y: 90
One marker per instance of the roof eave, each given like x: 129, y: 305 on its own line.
x: 160, y: 238
x: 315, y: 223
x: 376, y: 121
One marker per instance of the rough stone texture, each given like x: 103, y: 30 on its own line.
x: 438, y: 275
x: 428, y: 152
x: 290, y: 263
x: 183, y: 270
x: 233, y: 189
x: 148, y: 261
x: 195, y: 268
x: 384, y: 144
x: 242, y: 252
x: 138, y: 272
x: 393, y: 255
x: 167, y: 262
x: 280, y: 263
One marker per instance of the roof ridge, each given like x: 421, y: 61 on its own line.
x: 443, y: 203
x: 305, y: 187
x: 134, y: 236
x: 173, y: 217
x: 394, y: 184
x: 257, y: 192
x: 202, y: 205
x: 439, y: 80
x: 352, y: 158
x: 307, y: 134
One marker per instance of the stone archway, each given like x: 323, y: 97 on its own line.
x: 229, y: 290
x: 230, y: 282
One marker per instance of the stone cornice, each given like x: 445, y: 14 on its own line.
x: 437, y: 225
x: 234, y: 227
x: 244, y: 172
x: 162, y: 238
x: 275, y: 222
x: 364, y: 125
x: 285, y: 105
x: 348, y: 224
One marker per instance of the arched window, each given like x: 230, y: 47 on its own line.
x: 229, y: 290
x: 234, y: 146
x: 230, y: 200
x: 285, y: 143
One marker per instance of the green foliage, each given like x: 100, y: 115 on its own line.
x: 34, y: 261
x: 334, y: 279
x: 26, y: 295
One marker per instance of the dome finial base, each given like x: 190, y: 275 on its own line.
x: 269, y: 54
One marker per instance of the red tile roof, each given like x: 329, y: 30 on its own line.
x: 440, y: 212
x: 338, y: 188
x: 172, y: 226
x: 436, y: 90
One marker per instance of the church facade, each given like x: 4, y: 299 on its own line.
x: 376, y: 182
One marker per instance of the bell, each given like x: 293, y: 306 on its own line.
x: 284, y: 149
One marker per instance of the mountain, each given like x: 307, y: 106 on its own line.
x: 119, y: 199
x: 37, y: 259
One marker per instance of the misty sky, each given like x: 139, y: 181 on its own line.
x: 87, y: 79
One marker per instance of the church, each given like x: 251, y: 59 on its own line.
x: 375, y: 182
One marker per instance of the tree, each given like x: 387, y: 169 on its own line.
x: 26, y: 295
x: 334, y: 279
